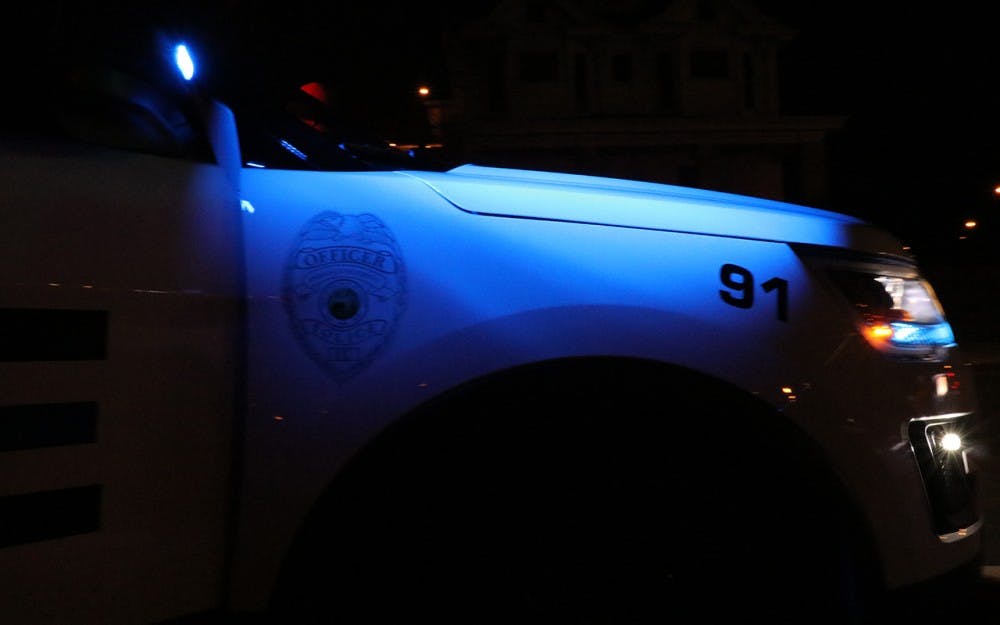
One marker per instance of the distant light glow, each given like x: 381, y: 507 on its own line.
x: 996, y: 189
x: 247, y: 207
x: 184, y: 61
x: 787, y: 390
x: 424, y: 90
x: 971, y: 224
x: 951, y: 442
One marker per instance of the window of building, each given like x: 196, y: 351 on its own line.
x: 793, y: 182
x: 496, y: 83
x: 581, y: 86
x: 706, y: 12
x: 534, y: 11
x: 666, y: 82
x: 621, y: 67
x: 709, y: 63
x: 538, y: 66
x: 749, y: 84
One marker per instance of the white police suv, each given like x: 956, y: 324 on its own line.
x: 263, y: 365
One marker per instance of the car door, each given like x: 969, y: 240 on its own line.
x: 120, y: 279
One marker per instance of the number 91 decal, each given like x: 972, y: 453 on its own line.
x: 739, y: 291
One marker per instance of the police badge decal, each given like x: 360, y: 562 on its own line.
x: 344, y: 290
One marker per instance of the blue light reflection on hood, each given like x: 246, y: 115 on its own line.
x: 611, y: 201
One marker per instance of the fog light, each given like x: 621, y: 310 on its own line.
x: 950, y: 442
x: 941, y: 445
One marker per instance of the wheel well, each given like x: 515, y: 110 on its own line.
x: 665, y: 403
x: 606, y: 433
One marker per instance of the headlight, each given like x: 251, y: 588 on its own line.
x: 897, y: 310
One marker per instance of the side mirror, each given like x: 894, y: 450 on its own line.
x: 114, y: 108
x: 106, y: 106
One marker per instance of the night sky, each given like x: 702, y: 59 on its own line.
x: 918, y: 84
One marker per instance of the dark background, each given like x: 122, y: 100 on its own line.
x: 916, y: 84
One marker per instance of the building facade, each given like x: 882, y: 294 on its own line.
x: 682, y: 92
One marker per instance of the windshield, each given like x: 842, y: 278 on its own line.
x: 304, y: 130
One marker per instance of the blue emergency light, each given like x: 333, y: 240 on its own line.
x: 185, y: 64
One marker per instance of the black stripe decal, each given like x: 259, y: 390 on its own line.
x: 47, y: 425
x: 49, y: 514
x: 28, y: 334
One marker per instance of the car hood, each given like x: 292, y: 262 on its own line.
x: 625, y: 203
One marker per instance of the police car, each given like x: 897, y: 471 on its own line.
x: 258, y: 366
